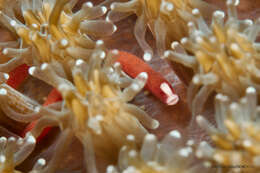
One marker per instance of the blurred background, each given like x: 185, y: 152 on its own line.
x: 170, y: 117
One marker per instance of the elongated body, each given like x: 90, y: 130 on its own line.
x: 94, y: 108
x: 156, y: 84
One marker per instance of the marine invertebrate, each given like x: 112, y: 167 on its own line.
x: 162, y: 17
x: 51, y: 31
x: 156, y: 84
x: 224, y: 56
x: 95, y: 109
x: 171, y: 155
x: 236, y: 135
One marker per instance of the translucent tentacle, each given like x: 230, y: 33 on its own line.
x: 142, y: 116
x: 64, y: 141
x: 138, y: 84
x: 140, y: 31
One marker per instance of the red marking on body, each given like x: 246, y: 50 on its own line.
x: 17, y: 76
x: 156, y: 83
x: 132, y: 66
x: 54, y: 96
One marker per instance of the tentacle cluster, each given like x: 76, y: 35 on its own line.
x: 236, y: 135
x: 162, y: 17
x: 51, y: 31
x: 13, y: 151
x: 224, y: 55
x: 171, y: 155
x: 95, y: 107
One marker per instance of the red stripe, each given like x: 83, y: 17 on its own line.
x: 54, y: 96
x: 17, y: 76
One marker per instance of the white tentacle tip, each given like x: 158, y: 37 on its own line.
x: 13, y: 23
x: 115, y: 51
x: 103, y: 55
x: 249, y: 22
x: 155, y: 124
x: 250, y: 90
x: 247, y: 143
x: 150, y: 137
x: 184, y: 40
x: 114, y: 28
x: 31, y: 139
x: 147, y: 56
x: 175, y: 134
x: 143, y: 75
x: 44, y: 66
x: 130, y: 137
x: 199, y: 119
x: 3, y: 140
x: 112, y: 6
x: 11, y: 139
x: 5, y: 51
x: 99, y: 42
x: 191, y: 24
x: 135, y: 87
x: 195, y: 11
x: 219, y: 14
x: 6, y: 76
x: 37, y: 109
x: 3, y: 91
x: 169, y: 7
x: 64, y: 42
x: 32, y: 70
x: 63, y: 88
x: 41, y: 162
x: 117, y: 65
x: 132, y: 153
x: 111, y: 169
x: 2, y: 159
x: 174, y: 44
x: 190, y: 142
x: 89, y: 4
x: 185, y: 152
x: 108, y: 19
x: 166, y: 54
x: 104, y: 9
x: 79, y: 62
x: 19, y: 141
x: 233, y: 2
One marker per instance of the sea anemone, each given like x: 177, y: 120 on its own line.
x: 236, y: 142
x: 95, y: 107
x: 167, y: 20
x: 171, y: 155
x: 14, y: 151
x: 51, y: 31
x: 48, y: 32
x: 224, y: 56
